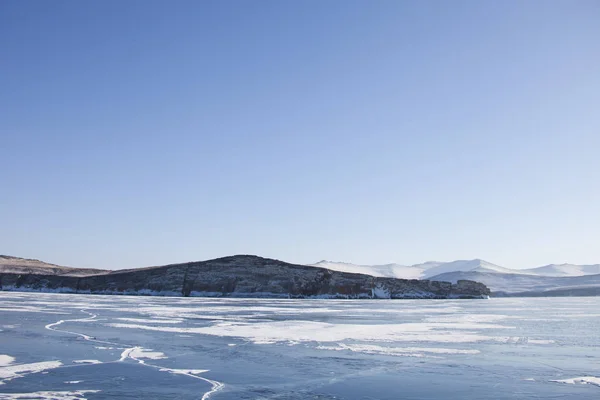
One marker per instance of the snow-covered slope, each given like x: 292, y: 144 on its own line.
x: 526, y: 284
x: 554, y: 279
x: 385, y: 270
x: 464, y: 265
x: 417, y: 271
x: 563, y: 270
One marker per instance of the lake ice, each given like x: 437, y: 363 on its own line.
x: 60, y: 346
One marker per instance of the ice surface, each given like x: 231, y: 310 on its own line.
x: 308, y: 331
x: 27, y: 309
x: 226, y: 349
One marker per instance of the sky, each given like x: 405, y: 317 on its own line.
x: 148, y: 132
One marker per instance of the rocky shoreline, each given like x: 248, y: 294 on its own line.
x: 242, y: 276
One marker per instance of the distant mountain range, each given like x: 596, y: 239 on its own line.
x: 553, y: 279
x: 563, y: 270
x: 549, y: 280
x: 235, y: 276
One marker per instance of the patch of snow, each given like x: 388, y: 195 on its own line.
x: 309, y: 331
x: 540, y: 341
x: 87, y: 362
x: 184, y: 371
x: 152, y: 321
x: 64, y: 395
x: 467, y: 318
x: 582, y: 380
x: 6, y: 360
x: 140, y: 352
x: 380, y: 293
x: 14, y: 371
x: 395, y: 351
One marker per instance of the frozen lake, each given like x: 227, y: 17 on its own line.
x: 59, y: 346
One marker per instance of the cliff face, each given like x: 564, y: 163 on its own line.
x: 243, y: 276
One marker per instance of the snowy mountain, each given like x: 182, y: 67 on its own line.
x: 465, y: 265
x: 563, y: 270
x: 554, y: 279
x: 528, y: 285
x: 417, y: 271
x: 384, y: 271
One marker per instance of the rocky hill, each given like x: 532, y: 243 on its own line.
x: 16, y: 265
x: 240, y: 276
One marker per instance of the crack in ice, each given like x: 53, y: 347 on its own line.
x: 136, y: 353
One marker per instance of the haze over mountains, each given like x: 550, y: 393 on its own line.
x: 564, y: 270
x: 432, y: 268
x: 553, y: 279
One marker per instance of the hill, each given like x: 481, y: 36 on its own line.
x: 241, y: 276
x: 17, y: 265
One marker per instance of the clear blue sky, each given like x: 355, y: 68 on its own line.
x: 139, y: 133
